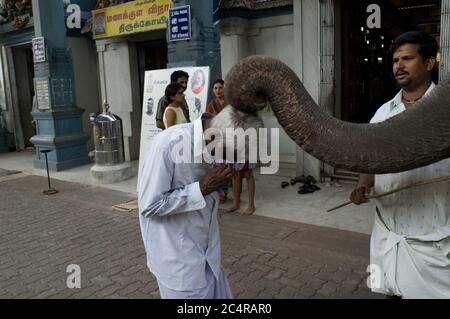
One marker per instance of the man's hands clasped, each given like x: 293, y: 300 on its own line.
x: 216, y: 179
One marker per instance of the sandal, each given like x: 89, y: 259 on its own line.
x: 305, y: 189
x: 311, y: 179
x: 299, y: 179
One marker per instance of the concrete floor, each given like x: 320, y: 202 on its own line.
x: 271, y: 200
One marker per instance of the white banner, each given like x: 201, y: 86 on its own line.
x: 155, y: 85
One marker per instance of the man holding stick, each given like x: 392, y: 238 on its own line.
x: 410, y: 243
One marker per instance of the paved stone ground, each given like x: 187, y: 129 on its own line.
x: 264, y: 258
x: 4, y: 172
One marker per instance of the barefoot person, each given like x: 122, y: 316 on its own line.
x: 243, y: 171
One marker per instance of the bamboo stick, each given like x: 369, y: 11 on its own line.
x: 415, y: 184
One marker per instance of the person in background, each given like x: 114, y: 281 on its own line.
x: 218, y: 103
x: 215, y: 107
x: 243, y: 171
x: 182, y: 78
x: 173, y: 115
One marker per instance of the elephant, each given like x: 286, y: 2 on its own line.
x: 417, y: 137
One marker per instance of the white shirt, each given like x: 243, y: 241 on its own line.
x: 411, y: 236
x: 179, y: 225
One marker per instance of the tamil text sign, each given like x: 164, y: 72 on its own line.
x: 131, y: 17
x: 180, y: 23
x: 39, y: 50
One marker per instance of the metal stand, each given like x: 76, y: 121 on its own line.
x: 50, y: 190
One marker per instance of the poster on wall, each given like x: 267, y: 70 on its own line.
x: 155, y: 85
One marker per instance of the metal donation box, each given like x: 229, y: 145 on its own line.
x: 108, y: 138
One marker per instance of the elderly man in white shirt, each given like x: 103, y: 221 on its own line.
x: 178, y: 206
x: 410, y: 243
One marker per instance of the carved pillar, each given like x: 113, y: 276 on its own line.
x: 327, y: 96
x: 315, y: 63
x: 58, y: 120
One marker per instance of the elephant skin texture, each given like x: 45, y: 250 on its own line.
x: 416, y: 137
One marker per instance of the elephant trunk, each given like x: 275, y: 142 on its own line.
x: 415, y: 138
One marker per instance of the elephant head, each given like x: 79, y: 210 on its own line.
x: 415, y: 138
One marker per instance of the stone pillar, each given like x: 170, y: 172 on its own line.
x: 444, y: 67
x: 307, y: 44
x: 58, y: 120
x: 233, y: 42
x: 326, y: 94
x: 203, y: 49
x: 314, y: 64
x: 119, y: 86
x: 298, y: 67
x: 327, y: 97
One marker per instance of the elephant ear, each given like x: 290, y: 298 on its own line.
x: 417, y: 137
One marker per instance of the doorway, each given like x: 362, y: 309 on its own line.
x: 151, y: 56
x: 365, y: 61
x: 367, y: 80
x: 24, y: 77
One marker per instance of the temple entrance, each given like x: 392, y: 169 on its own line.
x: 24, y: 75
x: 152, y: 56
x: 367, y: 80
x: 366, y: 62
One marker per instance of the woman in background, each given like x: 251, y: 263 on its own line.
x: 173, y: 114
x: 217, y: 105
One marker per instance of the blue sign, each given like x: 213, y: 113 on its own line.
x: 179, y: 23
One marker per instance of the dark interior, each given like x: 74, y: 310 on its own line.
x: 367, y: 79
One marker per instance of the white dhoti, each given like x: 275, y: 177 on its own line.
x: 411, y: 267
x: 410, y: 244
x: 215, y: 288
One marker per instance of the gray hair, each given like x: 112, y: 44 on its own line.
x: 232, y: 119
